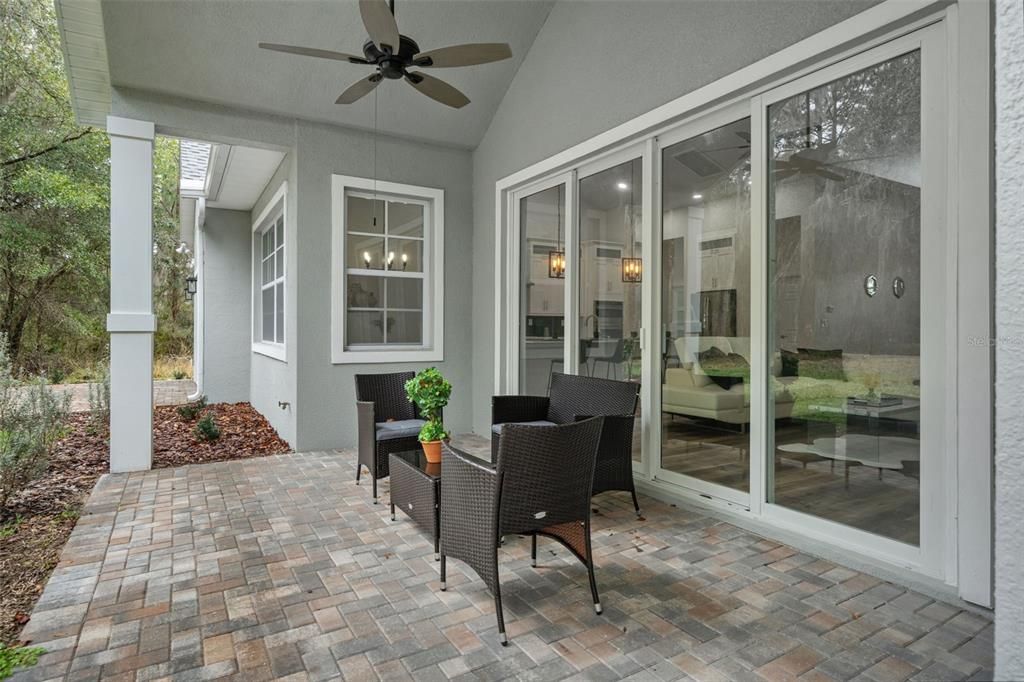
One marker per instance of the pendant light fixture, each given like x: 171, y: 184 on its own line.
x: 632, y: 267
x: 556, y: 259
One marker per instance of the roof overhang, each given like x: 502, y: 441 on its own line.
x: 84, y: 45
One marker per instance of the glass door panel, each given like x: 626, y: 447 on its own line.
x: 610, y: 275
x: 542, y: 289
x: 705, y: 307
x: 844, y: 240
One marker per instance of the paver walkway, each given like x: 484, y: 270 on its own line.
x: 281, y: 567
x: 165, y: 392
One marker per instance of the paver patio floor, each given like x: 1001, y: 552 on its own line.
x: 281, y: 567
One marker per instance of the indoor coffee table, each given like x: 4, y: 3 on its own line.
x: 416, y: 490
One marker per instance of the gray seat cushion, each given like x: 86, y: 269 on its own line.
x: 401, y: 428
x: 496, y: 428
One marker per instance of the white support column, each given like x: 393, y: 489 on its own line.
x: 131, y: 322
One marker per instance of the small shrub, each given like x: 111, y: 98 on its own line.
x: 180, y: 374
x: 189, y: 411
x: 207, y: 429
x: 99, y: 402
x: 32, y: 419
x: 18, y: 657
x: 56, y: 375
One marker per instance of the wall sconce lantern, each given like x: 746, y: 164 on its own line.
x: 632, y: 270
x: 191, y: 286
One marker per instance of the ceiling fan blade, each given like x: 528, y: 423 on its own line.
x: 359, y: 89
x: 380, y: 23
x: 314, y: 52
x: 437, y: 89
x: 469, y: 54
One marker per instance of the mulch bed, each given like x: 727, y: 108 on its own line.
x: 37, y: 522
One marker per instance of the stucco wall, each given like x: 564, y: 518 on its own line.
x: 1009, y: 512
x: 273, y: 381
x: 322, y: 415
x: 225, y: 276
x: 326, y: 400
x: 561, y: 96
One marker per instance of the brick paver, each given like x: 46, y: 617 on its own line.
x: 280, y: 567
x: 165, y: 392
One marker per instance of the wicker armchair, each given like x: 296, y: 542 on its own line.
x: 573, y: 398
x: 541, y: 486
x: 387, y: 422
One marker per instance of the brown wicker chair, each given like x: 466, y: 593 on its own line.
x: 387, y: 422
x: 541, y: 486
x: 577, y: 397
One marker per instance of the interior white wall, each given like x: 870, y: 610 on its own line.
x: 1009, y: 340
x: 326, y: 401
x: 591, y: 68
x: 225, y: 281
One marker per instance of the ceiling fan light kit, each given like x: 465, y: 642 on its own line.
x: 394, y: 54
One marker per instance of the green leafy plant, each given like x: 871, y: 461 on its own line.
x: 18, y: 657
x: 206, y: 428
x: 180, y: 374
x: 430, y: 391
x: 189, y: 411
x: 32, y: 420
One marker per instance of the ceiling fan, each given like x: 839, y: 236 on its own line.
x: 394, y: 55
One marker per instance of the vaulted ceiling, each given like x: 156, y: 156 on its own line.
x: 207, y: 51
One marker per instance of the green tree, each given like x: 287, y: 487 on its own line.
x: 54, y: 210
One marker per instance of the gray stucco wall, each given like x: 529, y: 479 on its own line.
x: 560, y: 97
x: 273, y: 381
x: 1009, y: 512
x: 326, y: 401
x: 225, y: 275
x: 321, y: 412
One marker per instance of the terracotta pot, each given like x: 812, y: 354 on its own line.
x: 432, y: 451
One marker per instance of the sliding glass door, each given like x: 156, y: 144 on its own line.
x: 777, y: 269
x: 611, y: 273
x: 848, y: 287
x: 705, y: 310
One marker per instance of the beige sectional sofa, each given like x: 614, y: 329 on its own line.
x: 689, y: 391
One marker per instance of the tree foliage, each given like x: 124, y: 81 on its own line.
x: 55, y: 210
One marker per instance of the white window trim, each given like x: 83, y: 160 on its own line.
x: 433, y: 273
x: 277, y: 206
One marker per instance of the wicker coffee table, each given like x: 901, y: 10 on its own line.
x: 416, y: 490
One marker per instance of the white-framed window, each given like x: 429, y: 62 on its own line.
x: 269, y: 281
x: 387, y: 273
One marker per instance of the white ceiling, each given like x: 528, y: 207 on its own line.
x: 207, y: 51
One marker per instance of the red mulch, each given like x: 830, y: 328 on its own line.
x: 38, y: 521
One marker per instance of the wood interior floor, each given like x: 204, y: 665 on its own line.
x: 888, y: 506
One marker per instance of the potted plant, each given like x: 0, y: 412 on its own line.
x: 430, y: 391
